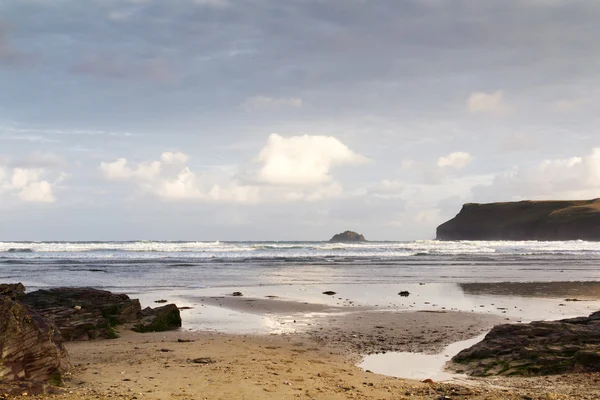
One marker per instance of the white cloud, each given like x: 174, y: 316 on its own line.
x: 456, y: 160
x: 27, y: 184
x: 568, y: 178
x: 388, y: 189
x: 488, y: 103
x: 262, y: 103
x: 37, y: 192
x: 174, y: 158
x: 303, y: 160
x: 120, y: 171
x: 297, y: 168
x: 188, y: 186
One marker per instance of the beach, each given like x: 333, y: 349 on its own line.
x: 319, y: 354
x: 314, y: 319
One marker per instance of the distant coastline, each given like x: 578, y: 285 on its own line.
x: 525, y: 220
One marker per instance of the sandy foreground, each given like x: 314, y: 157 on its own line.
x: 316, y: 361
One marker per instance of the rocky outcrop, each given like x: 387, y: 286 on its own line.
x: 12, y: 290
x: 158, y: 319
x: 84, y: 313
x: 538, y: 348
x: 525, y: 220
x: 30, y: 345
x: 348, y: 236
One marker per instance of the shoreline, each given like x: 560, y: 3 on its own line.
x: 314, y: 355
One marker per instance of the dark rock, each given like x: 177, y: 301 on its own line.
x: 12, y: 290
x: 237, y: 294
x: 160, y: 301
x: 404, y: 293
x: 538, y: 348
x: 525, y: 220
x: 84, y: 313
x: 348, y: 236
x: 202, y: 360
x: 30, y: 345
x: 159, y: 319
x: 329, y: 293
x: 15, y: 250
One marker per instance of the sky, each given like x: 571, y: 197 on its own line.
x: 289, y: 120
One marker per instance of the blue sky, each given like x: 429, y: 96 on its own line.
x: 289, y: 120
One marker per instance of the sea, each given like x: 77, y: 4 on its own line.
x: 136, y: 266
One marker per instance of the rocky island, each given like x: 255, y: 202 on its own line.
x: 348, y: 236
x: 525, y: 220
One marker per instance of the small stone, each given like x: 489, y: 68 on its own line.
x: 202, y: 360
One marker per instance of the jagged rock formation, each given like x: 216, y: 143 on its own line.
x: 525, y: 220
x: 30, y: 345
x: 84, y: 313
x: 538, y: 348
x: 158, y: 319
x: 87, y: 313
x: 12, y: 290
x: 348, y: 236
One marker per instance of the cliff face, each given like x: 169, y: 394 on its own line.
x: 525, y: 220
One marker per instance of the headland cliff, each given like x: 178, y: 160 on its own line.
x: 525, y: 220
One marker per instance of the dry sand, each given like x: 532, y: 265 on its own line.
x: 316, y: 361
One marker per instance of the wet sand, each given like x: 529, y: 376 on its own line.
x: 316, y: 355
x: 572, y: 290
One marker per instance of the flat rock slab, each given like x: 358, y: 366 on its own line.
x: 84, y: 313
x: 538, y: 348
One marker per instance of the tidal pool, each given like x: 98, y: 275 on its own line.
x: 417, y: 365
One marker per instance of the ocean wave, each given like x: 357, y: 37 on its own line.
x: 224, y: 252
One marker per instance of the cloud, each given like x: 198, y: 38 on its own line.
x: 488, y: 103
x: 297, y: 168
x: 567, y: 178
x: 303, y: 160
x: 121, y: 171
x: 156, y: 178
x: 27, y: 184
x: 174, y: 158
x: 263, y: 103
x: 457, y: 160
x: 388, y: 189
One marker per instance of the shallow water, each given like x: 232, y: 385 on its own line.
x: 363, y: 274
x: 417, y: 365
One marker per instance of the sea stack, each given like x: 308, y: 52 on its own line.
x: 348, y: 236
x: 525, y: 220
